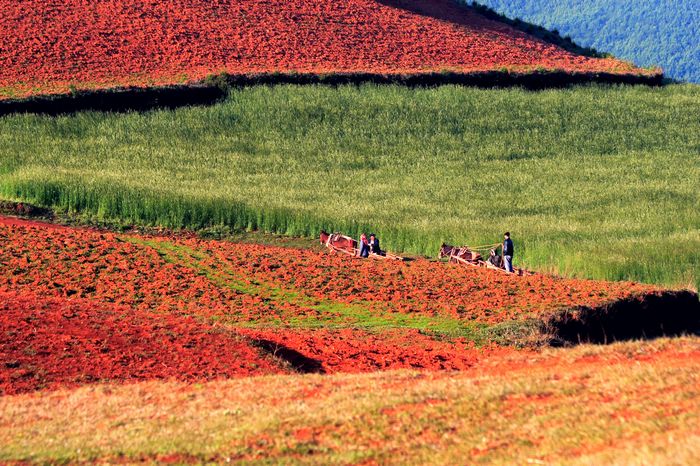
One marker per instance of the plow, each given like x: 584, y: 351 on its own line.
x: 343, y: 244
x: 472, y: 256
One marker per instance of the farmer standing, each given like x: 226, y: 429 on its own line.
x: 508, y: 252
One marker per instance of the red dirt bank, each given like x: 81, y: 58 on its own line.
x: 47, y: 47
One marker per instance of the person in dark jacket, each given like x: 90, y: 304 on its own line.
x: 374, y: 245
x: 508, y: 252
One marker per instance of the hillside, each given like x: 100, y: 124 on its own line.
x: 133, y: 348
x: 170, y: 176
x: 661, y: 33
x: 79, y: 306
x: 78, y: 44
x: 632, y: 403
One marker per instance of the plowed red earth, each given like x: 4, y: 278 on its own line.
x: 46, y: 47
x: 418, y: 287
x: 79, y: 305
x: 49, y: 342
x: 351, y: 350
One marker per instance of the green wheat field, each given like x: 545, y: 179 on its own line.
x: 593, y: 181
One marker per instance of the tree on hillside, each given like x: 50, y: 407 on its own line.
x: 662, y: 33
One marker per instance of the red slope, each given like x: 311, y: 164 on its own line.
x: 49, y: 342
x: 79, y: 305
x: 48, y: 46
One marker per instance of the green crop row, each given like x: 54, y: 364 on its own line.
x: 592, y: 181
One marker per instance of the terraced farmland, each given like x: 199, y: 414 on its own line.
x: 138, y: 337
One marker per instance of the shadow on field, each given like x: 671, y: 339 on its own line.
x: 298, y: 361
x: 23, y: 209
x: 116, y: 100
x: 663, y: 313
x: 449, y: 11
x: 216, y: 88
x: 457, y: 12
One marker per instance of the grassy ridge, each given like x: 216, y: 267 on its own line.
x: 594, y: 181
x: 590, y: 405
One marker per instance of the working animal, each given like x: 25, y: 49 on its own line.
x: 459, y: 254
x: 339, y: 242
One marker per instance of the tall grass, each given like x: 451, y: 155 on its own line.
x: 593, y: 181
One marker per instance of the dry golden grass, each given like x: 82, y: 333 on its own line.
x: 631, y: 403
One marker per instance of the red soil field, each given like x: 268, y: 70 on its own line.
x: 86, y: 263
x: 354, y: 351
x: 418, y: 287
x: 635, y: 401
x: 52, y: 342
x: 47, y: 47
x: 80, y: 305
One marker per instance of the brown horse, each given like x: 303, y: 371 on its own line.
x: 446, y: 250
x: 339, y: 242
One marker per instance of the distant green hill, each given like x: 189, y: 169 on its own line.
x: 661, y: 32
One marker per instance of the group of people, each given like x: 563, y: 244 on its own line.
x: 508, y: 250
x: 369, y: 246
